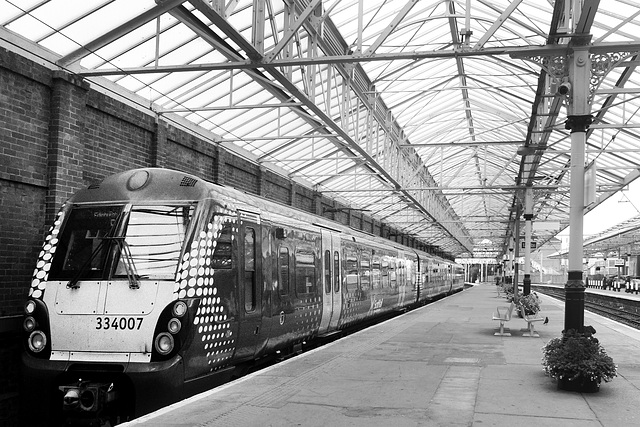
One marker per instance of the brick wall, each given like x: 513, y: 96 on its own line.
x: 113, y: 145
x: 22, y: 208
x: 24, y: 133
x: 187, y: 153
x: 25, y: 93
x: 276, y: 188
x: 241, y: 174
x: 304, y: 198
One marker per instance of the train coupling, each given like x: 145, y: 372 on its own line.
x: 87, y: 398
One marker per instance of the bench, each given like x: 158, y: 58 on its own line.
x: 530, y: 319
x: 503, y: 314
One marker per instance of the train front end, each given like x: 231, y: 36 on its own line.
x: 106, y: 321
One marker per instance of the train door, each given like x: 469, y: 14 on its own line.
x: 402, y: 278
x: 249, y: 289
x: 331, y: 292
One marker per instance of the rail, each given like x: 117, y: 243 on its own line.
x: 599, y: 306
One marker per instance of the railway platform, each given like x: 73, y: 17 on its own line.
x: 439, y: 365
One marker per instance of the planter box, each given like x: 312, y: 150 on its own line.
x: 579, y: 385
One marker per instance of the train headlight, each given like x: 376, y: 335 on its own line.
x: 30, y: 307
x: 179, y: 309
x: 29, y: 324
x: 71, y: 398
x: 164, y: 343
x: 174, y: 326
x: 138, y: 180
x: 37, y: 341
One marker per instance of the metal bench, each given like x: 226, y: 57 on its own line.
x: 503, y: 314
x: 531, y: 319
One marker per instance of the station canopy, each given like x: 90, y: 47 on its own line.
x: 432, y: 116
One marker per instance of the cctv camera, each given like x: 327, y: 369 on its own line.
x: 564, y: 88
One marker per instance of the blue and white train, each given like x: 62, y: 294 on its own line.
x: 155, y: 285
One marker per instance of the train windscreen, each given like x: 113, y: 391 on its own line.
x: 144, y: 240
x: 83, y: 248
x: 153, y: 241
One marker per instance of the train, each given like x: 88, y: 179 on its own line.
x: 154, y: 285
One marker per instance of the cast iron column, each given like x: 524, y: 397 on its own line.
x: 574, y: 289
x: 578, y: 122
x: 516, y: 253
x: 528, y: 216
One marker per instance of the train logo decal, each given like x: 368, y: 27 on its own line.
x: 195, y: 278
x: 41, y: 273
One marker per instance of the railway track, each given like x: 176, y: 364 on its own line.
x: 619, y: 314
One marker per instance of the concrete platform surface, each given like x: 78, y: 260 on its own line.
x: 439, y: 365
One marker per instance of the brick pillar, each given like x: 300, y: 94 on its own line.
x: 317, y: 203
x: 219, y: 165
x: 65, y: 157
x: 292, y: 193
x: 261, y: 177
x: 159, y: 145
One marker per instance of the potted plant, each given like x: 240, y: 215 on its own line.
x: 507, y: 288
x: 578, y: 361
x: 530, y: 303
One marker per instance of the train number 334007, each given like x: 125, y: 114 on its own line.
x: 130, y: 323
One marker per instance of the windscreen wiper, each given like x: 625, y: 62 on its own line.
x: 127, y: 261
x: 74, y: 282
x: 125, y: 257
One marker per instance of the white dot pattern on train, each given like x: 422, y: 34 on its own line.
x: 195, y: 279
x: 41, y: 273
x: 307, y: 317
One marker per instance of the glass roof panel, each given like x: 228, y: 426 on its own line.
x: 423, y: 104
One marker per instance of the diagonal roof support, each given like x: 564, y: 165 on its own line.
x: 496, y: 25
x: 391, y: 27
x: 118, y: 32
x: 290, y: 32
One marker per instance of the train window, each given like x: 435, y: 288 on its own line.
x: 222, y: 253
x: 327, y: 271
x: 401, y: 274
x: 83, y: 245
x: 392, y: 274
x: 365, y: 271
x: 336, y: 271
x: 375, y: 273
x: 283, y: 270
x: 385, y: 272
x: 249, y: 269
x: 351, y: 272
x: 305, y: 271
x: 154, y: 238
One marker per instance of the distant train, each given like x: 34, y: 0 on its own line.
x: 155, y: 285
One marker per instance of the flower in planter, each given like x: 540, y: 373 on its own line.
x: 578, y: 357
x: 530, y: 303
x: 508, y: 292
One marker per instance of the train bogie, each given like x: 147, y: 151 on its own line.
x: 154, y: 285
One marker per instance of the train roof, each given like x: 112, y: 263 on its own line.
x: 170, y: 185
